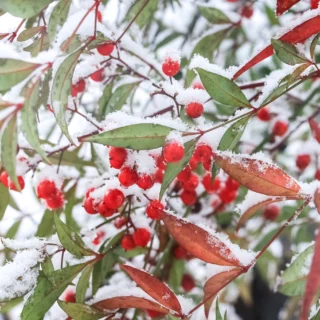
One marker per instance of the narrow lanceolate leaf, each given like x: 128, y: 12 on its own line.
x: 218, y: 312
x: 58, y: 17
x: 233, y: 135
x: 313, y: 280
x: 22, y: 8
x: 9, y: 150
x: 154, y: 287
x: 146, y: 15
x: 70, y: 240
x: 199, y: 242
x: 213, y: 15
x: 61, y: 89
x: 83, y: 284
x: 257, y: 175
x: 14, y: 71
x: 29, y: 125
x: 46, y: 226
x: 173, y: 169
x: 296, y: 73
x: 78, y: 311
x: 4, y: 200
x: 284, y: 5
x: 46, y: 293
x: 142, y: 136
x: 29, y: 33
x: 104, y: 101
x: 287, y: 52
x: 296, y: 35
x: 315, y: 128
x: 293, y: 280
x: 125, y: 302
x: 313, y: 45
x: 223, y: 89
x: 215, y: 284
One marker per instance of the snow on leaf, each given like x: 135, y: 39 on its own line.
x: 257, y: 175
x: 284, y: 5
x: 154, y: 287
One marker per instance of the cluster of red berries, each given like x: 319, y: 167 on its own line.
x: 279, y: 128
x: 5, y: 180
x: 53, y: 196
x: 139, y: 238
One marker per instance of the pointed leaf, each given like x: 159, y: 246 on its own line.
x: 78, y: 311
x: 142, y: 136
x: 284, y: 5
x: 153, y: 287
x: 218, y: 313
x: 46, y: 226
x: 213, y: 15
x: 314, y: 43
x: 296, y: 73
x: 202, y: 244
x: 315, y: 128
x: 257, y: 175
x: 83, y: 284
x: 29, y: 33
x: 146, y: 15
x: 104, y: 101
x: 222, y: 89
x: 4, y: 199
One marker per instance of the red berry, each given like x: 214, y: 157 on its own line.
x: 114, y: 199
x: 141, y: 237
x: 193, y: 163
x: 105, y: 211
x: 173, y: 152
x: 89, y: 206
x: 185, y: 174
x: 207, y: 164
x: 202, y: 153
x: 154, y: 314
x: 227, y: 196
x: 302, y: 161
x: 188, y: 197
x: 179, y: 252
x: 271, y: 212
x: 211, y: 187
x: 127, y: 242
x: 264, y: 114
x: 317, y: 175
x: 232, y: 184
x: 97, y: 239
x: 127, y: 177
x: 89, y: 192
x: 4, y: 178
x: 280, y: 128
x: 158, y: 177
x: 198, y: 85
x: 187, y: 282
x: 70, y: 296
x: 77, y: 88
x: 120, y: 222
x: 192, y: 183
x: 56, y: 201
x: 99, y: 16
x: 46, y: 189
x: 105, y: 49
x: 145, y: 181
x: 170, y: 67
x: 98, y: 75
x: 314, y: 4
x: 117, y: 157
x: 12, y: 185
x: 155, y: 210
x: 247, y: 11
x: 194, y: 110
x: 161, y: 163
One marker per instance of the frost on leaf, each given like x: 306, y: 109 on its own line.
x: 284, y: 5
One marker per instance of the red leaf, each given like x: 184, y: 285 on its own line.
x: 215, y: 284
x: 257, y: 175
x: 313, y: 280
x: 284, y: 5
x: 315, y: 128
x: 129, y: 302
x: 199, y: 242
x: 298, y: 34
x: 317, y: 199
x: 154, y: 287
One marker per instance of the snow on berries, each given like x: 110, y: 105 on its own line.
x: 173, y: 152
x: 155, y: 209
x: 117, y: 157
x: 171, y: 63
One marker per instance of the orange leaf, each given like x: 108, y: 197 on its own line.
x: 154, y: 287
x: 313, y: 280
x: 284, y: 5
x: 199, y: 242
x: 129, y: 302
x: 297, y: 35
x: 257, y: 175
x: 315, y: 128
x: 215, y: 284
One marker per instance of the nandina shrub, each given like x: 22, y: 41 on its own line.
x: 157, y: 156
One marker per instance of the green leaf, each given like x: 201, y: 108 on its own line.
x: 29, y: 33
x: 14, y: 71
x: 70, y: 240
x: 173, y: 169
x: 5, y: 307
x: 222, y: 89
x: 104, y: 101
x: 72, y: 201
x: 214, y: 15
x: 61, y: 89
x: 146, y: 15
x: 9, y: 150
x: 293, y: 279
x: 40, y: 44
x: 287, y: 52
x: 46, y: 294
x: 29, y: 125
x: 13, y: 230
x: 142, y: 136
x: 314, y: 43
x: 131, y: 253
x: 58, y: 17
x: 4, y: 199
x: 296, y: 73
x: 83, y: 284
x: 78, y: 311
x: 232, y: 136
x: 176, y: 274
x: 46, y: 226
x: 47, y: 267
x: 218, y: 313
x: 22, y: 8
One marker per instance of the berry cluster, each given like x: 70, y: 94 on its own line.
x: 51, y: 194
x: 5, y: 180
